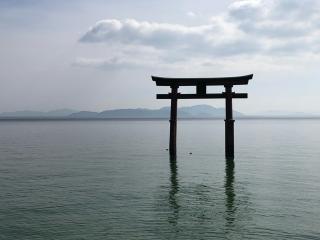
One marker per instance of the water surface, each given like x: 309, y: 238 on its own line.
x: 114, y: 180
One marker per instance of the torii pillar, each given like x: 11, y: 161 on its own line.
x: 173, y: 122
x: 229, y: 124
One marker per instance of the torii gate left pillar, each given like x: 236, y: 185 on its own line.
x: 173, y: 121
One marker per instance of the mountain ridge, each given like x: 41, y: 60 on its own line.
x: 191, y: 112
x: 196, y: 111
x: 29, y: 113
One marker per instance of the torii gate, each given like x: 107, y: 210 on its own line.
x: 201, y: 93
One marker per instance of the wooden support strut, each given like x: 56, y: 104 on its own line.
x: 173, y: 121
x: 201, y: 96
x: 229, y: 124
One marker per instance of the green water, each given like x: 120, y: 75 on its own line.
x: 113, y: 180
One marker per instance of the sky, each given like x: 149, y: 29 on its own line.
x: 97, y: 55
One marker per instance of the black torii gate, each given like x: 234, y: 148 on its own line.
x: 201, y: 93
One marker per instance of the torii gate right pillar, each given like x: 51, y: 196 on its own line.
x: 229, y: 124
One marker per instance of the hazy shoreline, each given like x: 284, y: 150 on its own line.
x: 152, y: 119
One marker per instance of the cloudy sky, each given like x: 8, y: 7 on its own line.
x: 97, y: 55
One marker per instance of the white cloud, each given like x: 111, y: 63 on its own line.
x: 159, y: 35
x: 191, y: 14
x: 248, y: 28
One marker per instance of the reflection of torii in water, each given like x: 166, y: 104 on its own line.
x: 229, y: 191
x: 174, y: 190
x: 201, y: 93
x: 226, y: 213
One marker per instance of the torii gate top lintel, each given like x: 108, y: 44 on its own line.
x: 201, y: 85
x: 224, y: 81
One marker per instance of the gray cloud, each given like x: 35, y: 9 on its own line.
x: 158, y: 35
x: 246, y: 10
x: 295, y: 9
x: 282, y: 19
x: 249, y: 27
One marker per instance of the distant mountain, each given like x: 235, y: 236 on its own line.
x: 198, y: 111
x: 60, y: 112
x: 84, y: 114
x: 203, y: 111
x: 31, y: 114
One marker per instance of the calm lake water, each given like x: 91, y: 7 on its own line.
x: 113, y: 180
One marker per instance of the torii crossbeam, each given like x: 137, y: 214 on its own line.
x: 201, y: 93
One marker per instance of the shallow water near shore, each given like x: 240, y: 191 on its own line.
x: 114, y: 180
